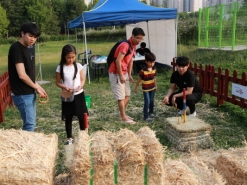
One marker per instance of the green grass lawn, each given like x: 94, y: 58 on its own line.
x: 228, y: 121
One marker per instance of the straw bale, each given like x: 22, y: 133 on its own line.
x: 80, y: 167
x: 103, y: 158
x: 202, y: 171
x: 192, y: 124
x: 63, y: 179
x: 208, y: 157
x: 191, y: 135
x: 130, y: 158
x: 233, y: 167
x: 27, y: 157
x: 154, y: 155
x: 178, y: 173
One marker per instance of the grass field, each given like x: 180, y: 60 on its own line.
x: 228, y: 121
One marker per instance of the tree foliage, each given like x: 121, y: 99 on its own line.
x: 53, y: 15
x: 4, y: 22
x: 187, y: 27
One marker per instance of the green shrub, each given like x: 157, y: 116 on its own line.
x: 3, y: 41
x: 44, y: 38
x: 11, y: 40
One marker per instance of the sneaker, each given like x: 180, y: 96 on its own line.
x: 149, y: 120
x: 180, y: 112
x: 69, y: 142
x: 193, y: 114
x: 152, y: 116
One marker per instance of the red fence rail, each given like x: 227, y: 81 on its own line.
x: 217, y: 83
x: 5, y: 96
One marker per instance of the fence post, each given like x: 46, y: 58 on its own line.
x: 173, y: 63
x: 243, y: 82
x: 211, y: 81
x: 234, y: 80
x: 220, y: 86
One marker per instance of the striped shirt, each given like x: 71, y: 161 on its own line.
x: 148, y: 79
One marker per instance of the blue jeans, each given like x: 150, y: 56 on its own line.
x: 148, y: 103
x: 26, y: 105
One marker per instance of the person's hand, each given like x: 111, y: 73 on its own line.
x: 166, y: 100
x: 41, y: 92
x: 135, y: 90
x: 131, y: 79
x: 122, y: 79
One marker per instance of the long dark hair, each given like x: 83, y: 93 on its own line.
x: 66, y: 50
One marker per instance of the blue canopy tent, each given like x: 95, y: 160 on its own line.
x: 126, y: 12
x: 121, y: 12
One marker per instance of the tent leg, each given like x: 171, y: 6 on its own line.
x: 85, y: 36
x: 88, y: 75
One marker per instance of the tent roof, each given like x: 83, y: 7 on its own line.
x: 121, y: 12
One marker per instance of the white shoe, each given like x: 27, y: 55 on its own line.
x: 193, y: 114
x: 181, y: 112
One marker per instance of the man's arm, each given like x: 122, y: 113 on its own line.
x: 119, y: 67
x: 26, y: 79
x: 169, y: 93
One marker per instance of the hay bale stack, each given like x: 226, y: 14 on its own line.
x: 130, y: 158
x: 204, y: 174
x: 103, y: 159
x: 188, y: 136
x: 63, y: 179
x: 154, y: 155
x: 27, y: 157
x: 178, y: 173
x: 80, y: 167
x: 233, y: 167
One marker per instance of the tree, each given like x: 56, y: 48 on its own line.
x: 4, y: 22
x: 43, y: 14
x: 16, y: 14
x: 71, y: 10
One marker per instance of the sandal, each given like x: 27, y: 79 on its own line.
x: 127, y: 117
x: 129, y: 122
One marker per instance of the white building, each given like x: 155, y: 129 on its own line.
x: 192, y: 5
x: 207, y: 3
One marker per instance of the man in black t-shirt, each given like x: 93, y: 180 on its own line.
x: 183, y: 78
x: 141, y: 51
x: 22, y: 75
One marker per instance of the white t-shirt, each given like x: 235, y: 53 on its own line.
x: 68, y: 72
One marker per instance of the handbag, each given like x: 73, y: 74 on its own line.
x: 67, y: 96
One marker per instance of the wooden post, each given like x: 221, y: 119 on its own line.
x: 86, y: 122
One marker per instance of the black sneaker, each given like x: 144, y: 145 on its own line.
x: 152, y: 115
x: 149, y: 120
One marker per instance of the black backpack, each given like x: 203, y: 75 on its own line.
x: 110, y: 57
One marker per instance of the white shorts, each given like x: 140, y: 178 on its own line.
x: 120, y: 90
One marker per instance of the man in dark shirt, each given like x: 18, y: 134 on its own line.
x: 183, y: 78
x: 143, y: 50
x: 22, y: 75
x: 139, y: 64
